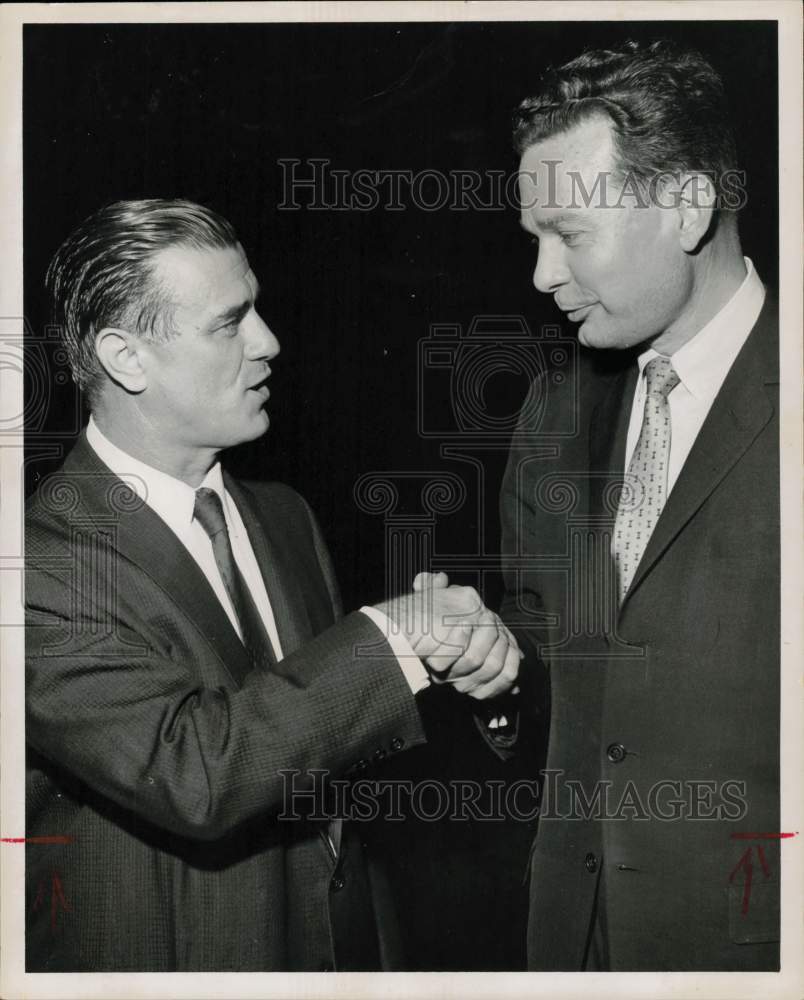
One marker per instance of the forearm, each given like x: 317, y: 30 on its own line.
x: 143, y: 732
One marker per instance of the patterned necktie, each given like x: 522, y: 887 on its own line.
x: 208, y: 511
x: 645, y: 489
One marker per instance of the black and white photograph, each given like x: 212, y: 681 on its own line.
x: 400, y: 466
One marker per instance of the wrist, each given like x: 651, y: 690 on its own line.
x: 400, y: 613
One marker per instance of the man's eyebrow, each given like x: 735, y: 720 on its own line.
x: 235, y: 313
x: 554, y: 221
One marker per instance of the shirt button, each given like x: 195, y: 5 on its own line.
x: 379, y: 754
x: 616, y: 752
x: 397, y: 743
x: 337, y: 883
x: 362, y: 765
x: 591, y: 862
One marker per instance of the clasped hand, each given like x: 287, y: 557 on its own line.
x: 459, y: 640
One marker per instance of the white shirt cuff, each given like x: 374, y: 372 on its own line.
x: 409, y: 663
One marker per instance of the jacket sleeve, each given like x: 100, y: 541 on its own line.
x: 139, y: 727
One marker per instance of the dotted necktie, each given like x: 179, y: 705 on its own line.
x: 645, y: 489
x: 208, y: 511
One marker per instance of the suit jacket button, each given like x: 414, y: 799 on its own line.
x: 379, y: 754
x: 616, y: 752
x: 337, y: 883
x: 361, y: 765
x: 397, y: 743
x: 591, y: 862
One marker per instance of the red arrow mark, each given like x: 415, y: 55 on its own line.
x: 57, y: 839
x: 763, y: 836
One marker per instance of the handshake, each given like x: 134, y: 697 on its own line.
x: 457, y: 638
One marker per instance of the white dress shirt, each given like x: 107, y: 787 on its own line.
x: 174, y: 501
x: 702, y: 365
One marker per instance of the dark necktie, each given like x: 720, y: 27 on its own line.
x: 208, y: 512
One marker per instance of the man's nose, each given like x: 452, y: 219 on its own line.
x: 260, y: 341
x: 551, y: 270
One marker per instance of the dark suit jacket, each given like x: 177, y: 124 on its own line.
x: 152, y: 746
x: 680, y: 685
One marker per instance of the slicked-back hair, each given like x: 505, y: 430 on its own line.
x: 103, y: 275
x: 666, y: 106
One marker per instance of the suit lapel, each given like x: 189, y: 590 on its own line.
x: 608, y: 432
x: 740, y: 411
x: 284, y: 587
x: 144, y: 539
x: 278, y: 570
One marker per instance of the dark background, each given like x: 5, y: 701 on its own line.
x: 205, y: 112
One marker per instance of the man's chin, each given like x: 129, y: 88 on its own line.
x: 590, y: 336
x: 261, y: 425
x: 604, y: 337
x: 591, y: 331
x: 256, y: 429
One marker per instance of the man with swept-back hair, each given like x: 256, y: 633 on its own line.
x: 188, y: 668
x: 658, y: 636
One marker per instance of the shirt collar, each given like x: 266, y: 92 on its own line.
x: 170, y: 498
x: 702, y: 363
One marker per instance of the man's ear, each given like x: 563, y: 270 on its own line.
x: 697, y: 200
x: 118, y: 352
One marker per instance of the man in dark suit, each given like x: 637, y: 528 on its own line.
x: 641, y: 529
x: 188, y: 664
